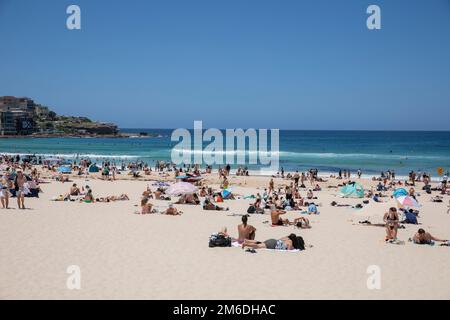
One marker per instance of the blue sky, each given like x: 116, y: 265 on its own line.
x: 288, y: 64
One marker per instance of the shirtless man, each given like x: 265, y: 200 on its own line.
x: 422, y: 237
x: 275, y: 216
x: 245, y: 231
x: 74, y: 190
x: 19, y: 185
x: 271, y: 186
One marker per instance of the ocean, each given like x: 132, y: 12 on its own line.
x: 328, y: 151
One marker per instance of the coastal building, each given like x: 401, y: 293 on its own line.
x: 22, y: 116
x: 7, y: 123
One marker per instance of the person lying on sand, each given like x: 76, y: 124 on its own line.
x: 312, y: 208
x: 245, y: 231
x: 188, y: 199
x: 172, y: 211
x: 208, y: 205
x: 302, y: 223
x: 122, y: 197
x: 290, y: 242
x: 335, y: 204
x: 275, y: 216
x: 423, y: 237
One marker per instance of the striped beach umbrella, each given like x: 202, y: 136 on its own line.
x: 180, y: 188
x: 407, y: 201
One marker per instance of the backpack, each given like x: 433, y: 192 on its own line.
x: 219, y: 240
x: 251, y: 209
x: 410, y: 218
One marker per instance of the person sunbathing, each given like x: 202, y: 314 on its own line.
x: 146, y: 207
x: 208, y: 205
x: 172, y: 211
x: 74, y: 190
x: 423, y: 237
x: 312, y: 208
x: 203, y: 192
x: 302, y: 223
x: 88, y: 197
x: 275, y: 216
x: 147, y: 193
x: 245, y: 231
x: 286, y: 243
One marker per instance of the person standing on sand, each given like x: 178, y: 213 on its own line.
x: 392, y: 220
x: 19, y: 183
x: 4, y: 194
x: 245, y: 231
x: 271, y: 186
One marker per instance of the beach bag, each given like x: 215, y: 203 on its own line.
x: 410, y: 218
x: 219, y: 240
x: 251, y: 209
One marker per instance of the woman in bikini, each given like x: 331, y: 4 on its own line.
x: 391, y: 220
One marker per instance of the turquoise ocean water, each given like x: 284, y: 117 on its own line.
x: 328, y: 151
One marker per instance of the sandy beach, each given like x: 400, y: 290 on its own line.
x: 122, y: 255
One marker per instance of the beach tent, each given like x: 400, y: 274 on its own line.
x: 400, y: 192
x: 354, y: 190
x: 93, y: 168
x: 226, y: 193
x: 64, y: 170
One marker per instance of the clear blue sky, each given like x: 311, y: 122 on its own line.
x: 288, y: 64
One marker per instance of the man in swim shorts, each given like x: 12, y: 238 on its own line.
x: 19, y: 183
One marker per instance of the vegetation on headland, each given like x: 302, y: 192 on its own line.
x: 22, y: 117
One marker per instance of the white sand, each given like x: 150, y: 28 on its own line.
x: 129, y: 256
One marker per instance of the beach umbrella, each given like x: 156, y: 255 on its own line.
x: 181, y: 177
x: 64, y: 170
x: 180, y: 188
x: 400, y: 192
x: 407, y: 201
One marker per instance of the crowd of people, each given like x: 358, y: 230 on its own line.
x: 21, y: 179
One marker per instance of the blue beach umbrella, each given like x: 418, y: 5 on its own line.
x: 399, y: 192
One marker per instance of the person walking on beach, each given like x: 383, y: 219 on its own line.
x: 359, y: 173
x: 271, y: 186
x: 296, y: 178
x: 19, y: 183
